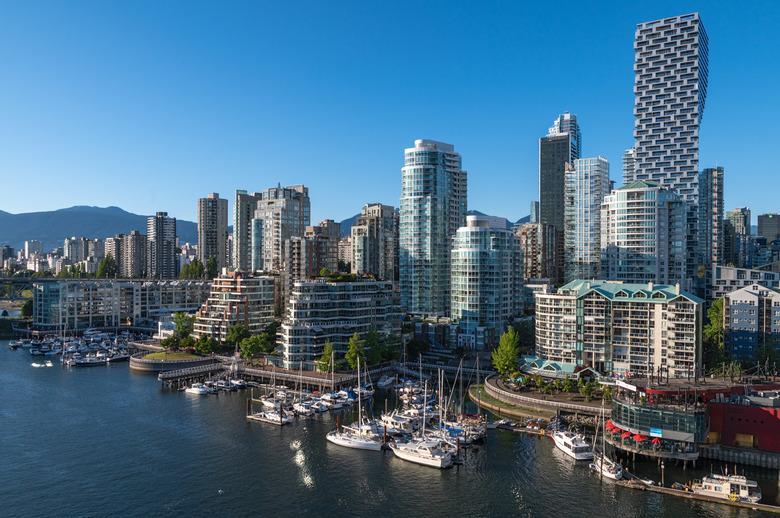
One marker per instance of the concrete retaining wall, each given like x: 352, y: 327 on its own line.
x: 139, y: 363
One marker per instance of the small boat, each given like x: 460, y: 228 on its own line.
x: 573, y: 445
x: 237, y: 383
x: 318, y: 406
x: 49, y: 363
x: 303, y: 408
x: 13, y: 345
x: 607, y: 467
x: 270, y: 417
x: 225, y: 385
x: 119, y: 357
x: 385, y: 382
x: 37, y: 365
x: 199, y: 389
x: 735, y: 488
x: 423, y: 451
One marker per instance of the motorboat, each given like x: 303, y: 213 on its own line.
x: 303, y: 408
x: 735, y: 488
x: 385, y: 382
x: 318, y: 406
x: 37, y: 365
x: 607, y: 467
x: 425, y: 451
x: 198, y: 389
x: 573, y: 445
x: 238, y: 383
x: 270, y: 417
x: 49, y: 363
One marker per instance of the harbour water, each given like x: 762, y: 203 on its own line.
x: 109, y: 442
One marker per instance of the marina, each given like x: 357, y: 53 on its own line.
x: 211, y: 430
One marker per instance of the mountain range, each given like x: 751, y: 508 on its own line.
x: 52, y: 227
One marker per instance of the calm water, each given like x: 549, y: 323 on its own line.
x: 108, y: 442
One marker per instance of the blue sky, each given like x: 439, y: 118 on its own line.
x: 149, y: 106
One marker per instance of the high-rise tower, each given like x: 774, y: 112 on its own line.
x: 433, y: 207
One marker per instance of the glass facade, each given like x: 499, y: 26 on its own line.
x: 661, y: 421
x: 433, y: 207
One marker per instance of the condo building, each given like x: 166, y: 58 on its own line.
x: 321, y: 311
x: 280, y: 213
x: 161, y: 261
x: 236, y: 298
x: 375, y: 242
x: 537, y: 242
x: 643, y: 235
x: 751, y: 324
x: 485, y: 282
x: 769, y: 226
x: 629, y: 330
x: 213, y: 229
x: 433, y: 207
x: 586, y: 186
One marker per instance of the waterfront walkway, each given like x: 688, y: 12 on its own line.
x: 496, y: 388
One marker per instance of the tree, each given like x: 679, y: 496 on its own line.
x: 194, y: 270
x: 354, y: 351
x: 417, y: 346
x: 27, y: 308
x: 212, y: 268
x: 586, y: 390
x: 373, y: 347
x: 237, y: 333
x: 606, y: 393
x: 568, y: 385
x: 325, y: 363
x: 714, y: 350
x: 4, y: 313
x: 261, y: 343
x: 249, y: 347
x: 182, y: 323
x: 505, y: 355
x: 206, y: 345
x: 107, y: 268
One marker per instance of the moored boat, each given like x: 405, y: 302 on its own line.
x: 573, y: 445
x: 735, y: 488
x: 198, y: 389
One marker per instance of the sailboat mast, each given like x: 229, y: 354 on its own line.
x: 360, y: 401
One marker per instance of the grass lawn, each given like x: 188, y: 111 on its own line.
x: 170, y: 356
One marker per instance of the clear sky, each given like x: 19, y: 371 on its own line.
x: 150, y: 105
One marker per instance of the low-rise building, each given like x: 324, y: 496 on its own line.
x: 75, y: 304
x: 236, y: 299
x: 726, y: 279
x: 628, y: 330
x: 751, y: 323
x: 320, y: 311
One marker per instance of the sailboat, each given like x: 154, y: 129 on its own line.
x: 602, y: 464
x: 424, y: 450
x: 302, y: 407
x: 355, y: 437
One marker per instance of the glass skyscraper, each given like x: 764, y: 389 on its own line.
x: 586, y: 185
x: 485, y: 280
x: 433, y: 207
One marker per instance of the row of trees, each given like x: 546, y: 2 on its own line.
x: 371, y: 351
x: 197, y: 270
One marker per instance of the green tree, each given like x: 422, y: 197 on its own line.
x: 505, y: 355
x: 194, y: 270
x: 606, y: 393
x: 373, y: 347
x: 107, y: 268
x: 237, y: 333
x: 249, y: 347
x: 27, y: 308
x: 206, y: 345
x: 182, y: 323
x: 714, y: 351
x: 354, y: 351
x: 212, y: 268
x: 324, y: 364
x: 586, y: 390
x: 568, y: 385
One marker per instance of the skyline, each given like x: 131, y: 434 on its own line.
x: 333, y: 97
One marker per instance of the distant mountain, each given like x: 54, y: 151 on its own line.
x: 524, y: 219
x: 346, y: 225
x: 52, y: 227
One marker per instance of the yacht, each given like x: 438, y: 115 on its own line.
x: 607, y: 467
x: 318, y: 406
x: 303, y: 408
x: 238, y: 383
x: 736, y: 488
x: 197, y: 389
x: 573, y: 445
x: 37, y: 365
x: 270, y: 417
x: 423, y: 451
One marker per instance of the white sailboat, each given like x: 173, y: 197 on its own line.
x: 602, y: 464
x: 423, y: 450
x: 355, y: 437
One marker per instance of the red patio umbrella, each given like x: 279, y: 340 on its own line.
x: 656, y: 440
x: 625, y: 434
x: 609, y: 425
x: 639, y: 438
